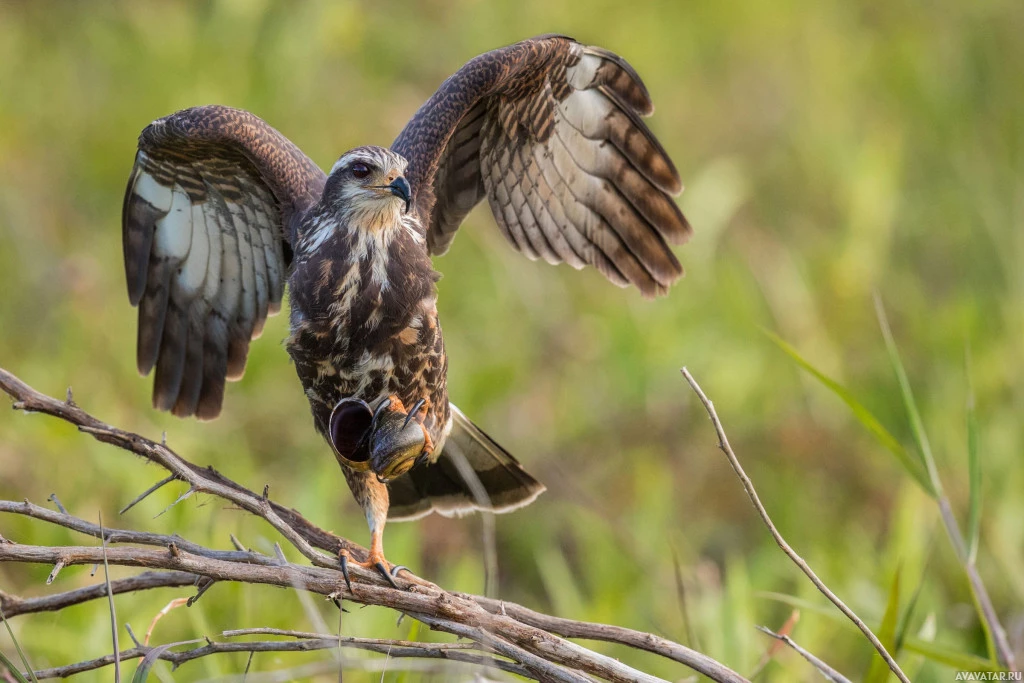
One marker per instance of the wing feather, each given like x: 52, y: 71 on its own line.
x: 260, y: 271
x: 229, y: 299
x: 578, y: 193
x: 191, y: 283
x: 191, y: 385
x: 561, y: 232
x: 550, y: 131
x: 557, y: 249
x: 520, y: 180
x: 191, y: 275
x: 606, y: 198
x: 205, y: 232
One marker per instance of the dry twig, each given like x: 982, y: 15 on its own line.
x: 826, y: 670
x: 748, y: 486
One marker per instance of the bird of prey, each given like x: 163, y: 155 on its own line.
x: 222, y: 211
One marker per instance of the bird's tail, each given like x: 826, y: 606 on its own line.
x: 472, y: 473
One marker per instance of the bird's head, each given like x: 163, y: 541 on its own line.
x: 385, y: 442
x: 369, y: 182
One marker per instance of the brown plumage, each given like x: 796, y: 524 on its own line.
x: 221, y: 211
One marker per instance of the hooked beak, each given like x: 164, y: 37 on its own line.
x: 400, y: 188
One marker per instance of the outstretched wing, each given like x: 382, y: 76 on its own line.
x: 212, y: 204
x: 550, y: 131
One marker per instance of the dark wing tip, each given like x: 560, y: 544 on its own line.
x: 138, y: 220
x: 682, y: 232
x: 651, y: 160
x: 618, y: 75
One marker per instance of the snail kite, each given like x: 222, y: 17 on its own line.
x: 221, y: 211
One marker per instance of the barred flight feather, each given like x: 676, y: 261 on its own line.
x: 550, y: 132
x: 206, y: 212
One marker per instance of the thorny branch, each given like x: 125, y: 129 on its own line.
x: 304, y: 642
x: 503, y: 635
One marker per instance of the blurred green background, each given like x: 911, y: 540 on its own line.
x: 830, y: 150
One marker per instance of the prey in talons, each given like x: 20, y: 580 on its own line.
x: 386, y: 441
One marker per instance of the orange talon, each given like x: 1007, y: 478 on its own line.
x: 374, y: 560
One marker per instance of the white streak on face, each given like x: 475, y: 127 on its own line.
x: 345, y: 160
x: 363, y: 204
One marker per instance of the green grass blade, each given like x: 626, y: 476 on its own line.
x: 916, y: 424
x: 14, y: 670
x: 414, y: 636
x: 904, y: 622
x: 973, y: 466
x: 960, y: 546
x: 110, y: 604
x: 903, y: 628
x: 941, y: 654
x: 911, y: 464
x: 21, y: 653
x: 145, y: 666
x: 974, y: 505
x: 961, y: 661
x: 879, y: 670
x: 974, y: 510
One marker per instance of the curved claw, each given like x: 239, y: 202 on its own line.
x: 384, y: 405
x: 412, y: 413
x: 344, y: 570
x: 382, y: 568
x: 380, y: 565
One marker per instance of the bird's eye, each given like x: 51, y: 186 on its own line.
x: 360, y: 170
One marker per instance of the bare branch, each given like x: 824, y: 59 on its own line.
x: 748, y: 486
x: 826, y: 670
x: 534, y: 651
x: 187, y: 494
x: 142, y: 496
x: 569, y: 628
x: 53, y: 574
x: 127, y: 536
x: 14, y: 606
x: 397, y: 649
x: 56, y: 501
x: 30, y: 400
